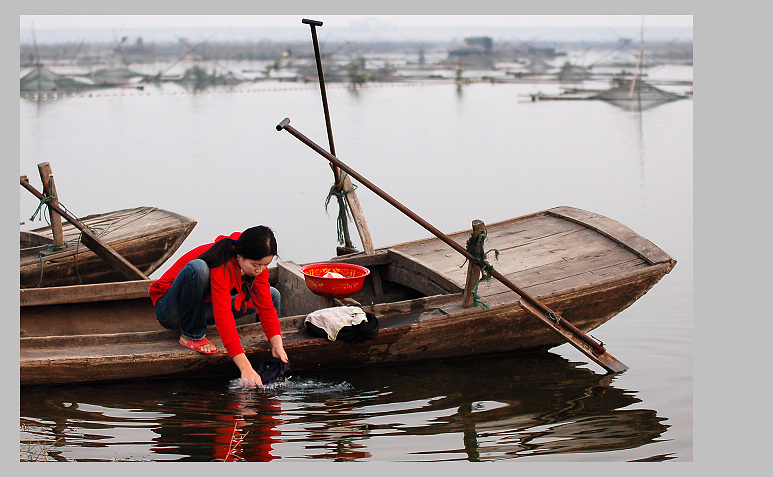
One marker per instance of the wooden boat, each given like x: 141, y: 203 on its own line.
x: 586, y: 267
x: 145, y: 236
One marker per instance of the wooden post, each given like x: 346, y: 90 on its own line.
x: 359, y: 217
x: 49, y: 190
x: 90, y: 240
x: 473, y: 270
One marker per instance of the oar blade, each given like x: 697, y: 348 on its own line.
x: 605, y: 360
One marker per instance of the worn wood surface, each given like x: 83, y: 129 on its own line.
x: 144, y: 236
x: 94, y: 243
x: 584, y: 266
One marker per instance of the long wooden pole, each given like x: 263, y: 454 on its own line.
x: 346, y: 184
x: 591, y: 348
x: 90, y: 240
x: 320, y: 74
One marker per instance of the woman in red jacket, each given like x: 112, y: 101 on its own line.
x: 197, y: 291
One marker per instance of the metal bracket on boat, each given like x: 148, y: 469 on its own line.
x: 553, y: 317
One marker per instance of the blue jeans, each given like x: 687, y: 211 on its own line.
x: 183, y: 307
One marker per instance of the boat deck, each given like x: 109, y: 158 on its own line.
x: 546, y: 253
x: 117, y: 225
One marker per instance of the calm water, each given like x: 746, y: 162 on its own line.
x: 452, y: 155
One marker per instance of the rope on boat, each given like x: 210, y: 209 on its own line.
x: 44, y: 201
x: 41, y: 256
x: 97, y: 231
x: 342, y: 223
x: 475, y: 247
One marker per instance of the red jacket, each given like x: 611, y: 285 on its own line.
x: 223, y: 280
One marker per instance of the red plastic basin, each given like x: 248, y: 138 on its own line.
x: 353, y: 277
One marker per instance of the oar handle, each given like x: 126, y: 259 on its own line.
x: 318, y: 57
x: 282, y: 124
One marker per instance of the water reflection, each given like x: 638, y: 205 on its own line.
x: 502, y: 408
x: 473, y: 409
x: 230, y: 427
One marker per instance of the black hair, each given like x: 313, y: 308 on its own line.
x: 253, y: 244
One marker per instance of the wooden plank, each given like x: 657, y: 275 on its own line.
x: 445, y: 259
x: 616, y: 231
x: 84, y: 293
x: 415, y: 244
x: 611, y: 292
x: 172, y: 247
x: 579, y: 244
x: 380, y: 257
x: 423, y: 276
x: 124, y: 223
x: 513, y: 259
x: 559, y: 273
x: 34, y: 239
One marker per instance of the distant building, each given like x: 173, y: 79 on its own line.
x: 474, y: 46
x: 132, y: 46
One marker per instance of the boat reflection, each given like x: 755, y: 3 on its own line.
x: 472, y: 409
x: 521, y: 405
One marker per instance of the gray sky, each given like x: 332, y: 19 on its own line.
x: 222, y: 21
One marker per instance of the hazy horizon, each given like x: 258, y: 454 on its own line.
x: 162, y: 28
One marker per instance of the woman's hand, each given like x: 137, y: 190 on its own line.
x: 250, y: 378
x: 277, y: 348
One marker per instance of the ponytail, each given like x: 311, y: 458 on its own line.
x: 219, y: 253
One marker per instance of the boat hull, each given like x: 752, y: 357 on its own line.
x: 419, y: 307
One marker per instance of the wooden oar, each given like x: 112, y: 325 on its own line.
x: 346, y: 184
x: 588, y: 346
x: 89, y: 239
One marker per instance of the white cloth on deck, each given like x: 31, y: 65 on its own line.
x: 332, y: 320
